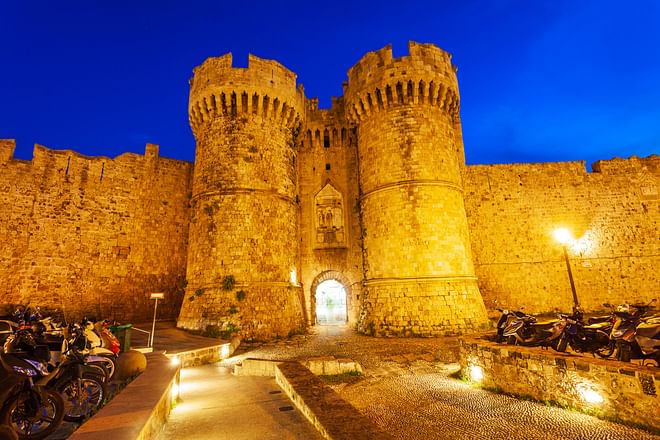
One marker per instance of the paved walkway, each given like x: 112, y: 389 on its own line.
x: 218, y: 405
x: 406, y: 390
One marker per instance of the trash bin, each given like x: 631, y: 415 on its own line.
x: 123, y: 333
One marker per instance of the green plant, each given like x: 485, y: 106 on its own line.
x: 240, y: 295
x: 229, y: 330
x: 228, y: 282
x: 233, y: 309
x: 212, y: 331
x: 199, y: 292
x: 347, y: 377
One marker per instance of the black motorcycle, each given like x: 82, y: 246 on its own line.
x: 30, y: 409
x: 81, y: 385
x: 582, y: 337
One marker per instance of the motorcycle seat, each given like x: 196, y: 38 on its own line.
x: 597, y: 326
x: 598, y: 319
x: 648, y: 330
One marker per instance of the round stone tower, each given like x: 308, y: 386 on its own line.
x: 243, y: 256
x: 419, y: 277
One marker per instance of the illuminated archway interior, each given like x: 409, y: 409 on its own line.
x: 330, y: 303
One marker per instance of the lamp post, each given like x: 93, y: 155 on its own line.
x: 563, y: 236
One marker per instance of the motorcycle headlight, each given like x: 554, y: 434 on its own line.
x: 24, y: 371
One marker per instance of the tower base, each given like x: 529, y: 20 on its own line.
x: 422, y: 307
x: 264, y: 311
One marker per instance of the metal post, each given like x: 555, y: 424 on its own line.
x: 153, y: 326
x: 570, y: 278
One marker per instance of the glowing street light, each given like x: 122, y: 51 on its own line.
x: 564, y: 236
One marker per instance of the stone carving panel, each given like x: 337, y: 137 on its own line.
x: 329, y: 224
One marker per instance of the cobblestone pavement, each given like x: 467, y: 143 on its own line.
x: 407, y: 391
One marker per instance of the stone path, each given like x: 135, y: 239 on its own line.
x: 217, y: 405
x: 407, y: 391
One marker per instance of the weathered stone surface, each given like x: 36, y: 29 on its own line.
x: 628, y: 393
x: 93, y: 235
x: 513, y: 209
x: 129, y: 364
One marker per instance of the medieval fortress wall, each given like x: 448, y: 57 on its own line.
x: 373, y: 192
x: 93, y: 235
x: 614, y: 212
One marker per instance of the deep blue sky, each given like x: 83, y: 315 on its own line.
x: 539, y: 80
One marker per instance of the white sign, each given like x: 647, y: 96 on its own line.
x: 157, y: 296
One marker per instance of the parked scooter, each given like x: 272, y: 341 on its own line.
x: 102, y: 344
x: 506, y: 318
x: 593, y: 337
x: 636, y: 335
x: 525, y: 330
x: 81, y: 384
x: 32, y: 410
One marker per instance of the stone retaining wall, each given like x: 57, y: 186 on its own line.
x: 140, y: 410
x: 629, y: 392
x: 331, y: 415
x: 207, y: 355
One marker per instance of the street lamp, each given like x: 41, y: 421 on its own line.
x: 563, y: 236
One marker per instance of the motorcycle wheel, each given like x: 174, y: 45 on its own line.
x: 109, y: 364
x: 563, y: 343
x: 82, y: 396
x: 511, y: 340
x: 101, y: 368
x: 30, y: 422
x: 624, y: 353
x: 606, y: 351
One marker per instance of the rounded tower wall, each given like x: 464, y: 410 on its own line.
x: 244, y: 209
x: 419, y: 275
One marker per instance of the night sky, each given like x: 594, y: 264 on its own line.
x: 539, y: 80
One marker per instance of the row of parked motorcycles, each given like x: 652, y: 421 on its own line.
x: 52, y: 371
x: 627, y: 332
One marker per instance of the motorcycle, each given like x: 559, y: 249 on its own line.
x: 31, y: 410
x: 506, y: 317
x: 526, y: 330
x: 636, y: 335
x: 102, y: 344
x: 81, y: 384
x: 592, y: 337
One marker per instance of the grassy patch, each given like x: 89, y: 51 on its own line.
x: 335, y: 379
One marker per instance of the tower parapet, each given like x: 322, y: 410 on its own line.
x: 419, y: 275
x: 379, y: 81
x: 244, y: 223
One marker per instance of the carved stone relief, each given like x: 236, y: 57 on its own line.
x: 330, y: 230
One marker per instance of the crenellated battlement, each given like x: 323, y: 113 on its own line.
x: 7, y: 149
x: 265, y: 89
x: 424, y: 77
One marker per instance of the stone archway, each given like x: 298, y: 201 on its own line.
x: 322, y: 280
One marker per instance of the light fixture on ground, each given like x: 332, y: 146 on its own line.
x: 476, y: 373
x: 589, y: 394
x: 564, y: 236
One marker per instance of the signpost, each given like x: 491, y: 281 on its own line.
x: 156, y: 297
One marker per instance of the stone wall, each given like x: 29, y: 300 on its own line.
x: 615, y: 211
x: 93, y: 235
x: 419, y: 277
x: 629, y: 392
x: 329, y: 218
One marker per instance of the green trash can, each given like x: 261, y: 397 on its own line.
x: 123, y: 333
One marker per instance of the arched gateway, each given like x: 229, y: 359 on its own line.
x: 330, y: 294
